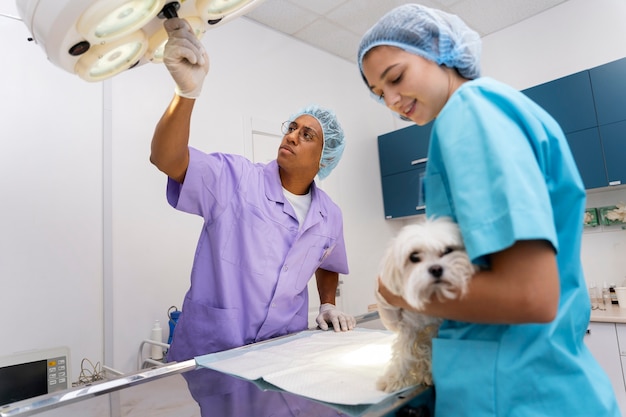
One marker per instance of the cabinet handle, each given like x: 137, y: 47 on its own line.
x: 420, y: 207
x: 419, y: 161
x: 618, y: 182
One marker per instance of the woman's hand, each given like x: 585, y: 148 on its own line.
x: 391, y: 298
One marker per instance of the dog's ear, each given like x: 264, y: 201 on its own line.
x: 391, y: 272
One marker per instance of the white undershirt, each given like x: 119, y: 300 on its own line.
x: 300, y: 204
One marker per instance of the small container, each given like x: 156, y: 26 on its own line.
x: 157, y: 336
x: 613, y: 294
x: 594, y: 296
x: 606, y: 297
x: 621, y: 296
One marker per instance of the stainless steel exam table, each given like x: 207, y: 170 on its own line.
x: 184, y: 389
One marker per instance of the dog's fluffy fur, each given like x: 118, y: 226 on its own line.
x: 424, y: 260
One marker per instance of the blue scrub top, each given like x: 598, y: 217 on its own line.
x: 501, y: 167
x: 253, y: 262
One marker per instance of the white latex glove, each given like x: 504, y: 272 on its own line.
x: 185, y: 58
x: 330, y: 314
x: 389, y: 315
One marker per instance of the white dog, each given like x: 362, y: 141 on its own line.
x: 424, y: 260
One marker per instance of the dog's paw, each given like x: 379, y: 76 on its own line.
x: 396, y: 382
x: 390, y: 383
x: 387, y: 384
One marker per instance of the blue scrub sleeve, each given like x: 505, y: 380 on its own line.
x: 493, y: 172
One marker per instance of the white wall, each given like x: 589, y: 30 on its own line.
x: 50, y: 203
x: 575, y: 35
x: 90, y: 252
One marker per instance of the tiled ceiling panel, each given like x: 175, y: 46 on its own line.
x: 336, y: 26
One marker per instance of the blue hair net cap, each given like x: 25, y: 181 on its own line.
x: 432, y: 34
x: 334, y: 142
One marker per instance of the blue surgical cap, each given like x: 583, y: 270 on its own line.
x: 432, y: 34
x: 333, y: 144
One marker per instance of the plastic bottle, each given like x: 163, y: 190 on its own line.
x: 606, y: 297
x: 157, y: 336
x: 593, y: 295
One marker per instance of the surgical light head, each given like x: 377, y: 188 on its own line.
x: 98, y: 39
x: 334, y: 141
x: 432, y: 34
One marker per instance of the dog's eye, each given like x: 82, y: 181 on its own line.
x: 447, y: 251
x: 414, y: 257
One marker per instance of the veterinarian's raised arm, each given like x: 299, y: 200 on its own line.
x: 188, y: 63
x: 522, y: 286
x: 170, y: 151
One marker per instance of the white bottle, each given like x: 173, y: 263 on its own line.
x: 157, y: 336
x: 606, y: 297
x: 594, y: 296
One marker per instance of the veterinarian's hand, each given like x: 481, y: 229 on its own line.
x: 330, y: 314
x: 185, y: 58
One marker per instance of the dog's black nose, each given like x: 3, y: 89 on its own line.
x: 436, y: 271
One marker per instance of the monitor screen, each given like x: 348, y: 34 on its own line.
x: 26, y: 380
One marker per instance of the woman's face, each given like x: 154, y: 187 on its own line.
x: 412, y: 86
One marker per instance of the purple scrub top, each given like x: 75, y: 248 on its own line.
x: 252, y: 263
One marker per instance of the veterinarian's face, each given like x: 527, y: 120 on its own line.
x: 412, y: 86
x: 302, y: 145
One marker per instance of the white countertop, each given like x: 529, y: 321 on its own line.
x: 612, y: 314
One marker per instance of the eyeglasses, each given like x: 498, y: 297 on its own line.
x: 304, y: 133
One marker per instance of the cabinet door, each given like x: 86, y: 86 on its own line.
x: 403, y: 193
x: 602, y: 342
x: 614, y: 143
x: 621, y: 340
x: 569, y: 100
x: 608, y: 82
x: 587, y: 151
x: 399, y: 150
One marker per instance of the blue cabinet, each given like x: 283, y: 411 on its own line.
x: 614, y: 143
x: 398, y: 150
x: 569, y: 100
x: 609, y: 91
x: 403, y: 193
x: 590, y: 106
x: 588, y: 154
x: 402, y: 157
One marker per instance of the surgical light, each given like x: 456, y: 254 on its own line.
x: 217, y: 9
x: 104, y: 21
x: 98, y: 39
x: 105, y: 60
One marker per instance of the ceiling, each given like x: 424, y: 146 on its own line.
x: 336, y: 26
